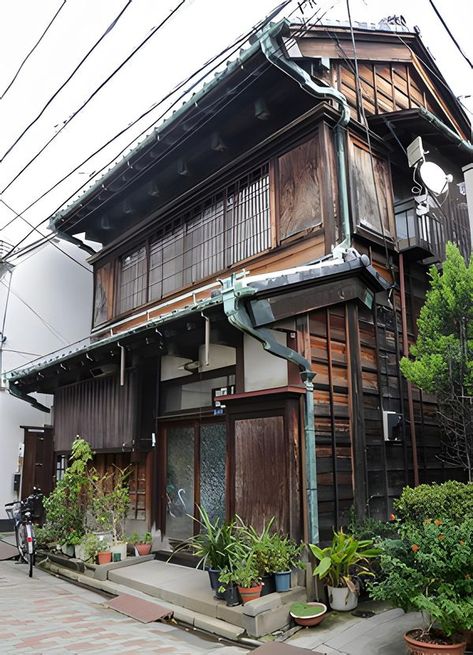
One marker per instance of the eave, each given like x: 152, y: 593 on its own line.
x: 274, y: 297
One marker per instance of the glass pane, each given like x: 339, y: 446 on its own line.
x: 180, y: 482
x: 213, y: 445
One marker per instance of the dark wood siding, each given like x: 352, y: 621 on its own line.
x: 261, y: 471
x: 299, y: 185
x: 328, y: 343
x: 100, y: 411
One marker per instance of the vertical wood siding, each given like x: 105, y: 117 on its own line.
x: 99, y: 410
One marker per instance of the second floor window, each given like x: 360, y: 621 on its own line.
x: 222, y: 230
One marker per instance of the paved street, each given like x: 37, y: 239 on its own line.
x: 47, y: 616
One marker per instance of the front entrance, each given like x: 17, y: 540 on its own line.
x: 195, y: 457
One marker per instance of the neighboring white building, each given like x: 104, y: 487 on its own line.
x: 48, y: 308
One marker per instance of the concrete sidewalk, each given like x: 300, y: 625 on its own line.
x: 344, y: 634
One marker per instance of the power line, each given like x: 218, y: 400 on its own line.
x: 58, y: 91
x: 12, y: 81
x: 263, y: 66
x: 94, y: 93
x: 179, y: 143
x: 439, y: 16
x: 237, y: 43
x: 38, y: 316
x: 45, y: 236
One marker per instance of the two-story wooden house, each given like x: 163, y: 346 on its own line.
x: 263, y: 264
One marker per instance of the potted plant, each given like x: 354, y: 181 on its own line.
x: 243, y: 573
x: 212, y: 545
x: 91, y: 545
x: 308, y: 614
x: 110, y: 501
x: 339, y: 563
x: 104, y: 554
x: 429, y: 570
x: 142, y: 543
x: 263, y: 546
x: 285, y: 556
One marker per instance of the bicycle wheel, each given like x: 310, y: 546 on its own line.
x: 30, y: 557
x: 20, y: 537
x: 30, y: 543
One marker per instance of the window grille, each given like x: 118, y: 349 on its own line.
x: 225, y: 228
x: 133, y: 280
x: 61, y: 464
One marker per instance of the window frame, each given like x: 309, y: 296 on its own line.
x: 182, y: 219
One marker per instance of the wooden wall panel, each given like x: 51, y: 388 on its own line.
x: 104, y: 299
x: 99, y: 410
x: 332, y: 418
x: 299, y: 189
x: 262, y: 471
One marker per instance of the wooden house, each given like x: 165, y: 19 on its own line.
x: 262, y: 267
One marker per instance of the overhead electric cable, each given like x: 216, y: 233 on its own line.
x: 265, y: 66
x: 94, y: 93
x: 86, y: 268
x: 142, y: 172
x: 440, y: 17
x: 58, y: 90
x: 235, y: 45
x: 12, y: 81
x: 38, y: 316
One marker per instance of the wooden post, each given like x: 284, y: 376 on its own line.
x: 405, y: 348
x: 357, y: 412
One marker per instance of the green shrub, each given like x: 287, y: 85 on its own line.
x: 451, y: 500
x: 430, y: 571
x: 370, y: 528
x: 66, y: 505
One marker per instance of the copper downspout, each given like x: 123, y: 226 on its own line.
x: 405, y: 348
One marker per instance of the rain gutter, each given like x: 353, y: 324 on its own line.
x: 234, y: 294
x: 462, y: 144
x: 275, y: 55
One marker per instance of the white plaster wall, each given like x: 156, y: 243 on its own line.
x: 59, y: 293
x: 262, y: 369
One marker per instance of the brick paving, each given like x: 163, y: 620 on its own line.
x: 48, y: 616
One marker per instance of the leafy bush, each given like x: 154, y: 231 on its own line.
x: 451, y: 500
x: 370, y: 528
x: 430, y: 570
x: 66, y: 505
x: 109, y: 503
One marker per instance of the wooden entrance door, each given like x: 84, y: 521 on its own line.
x: 37, y: 460
x: 193, y: 457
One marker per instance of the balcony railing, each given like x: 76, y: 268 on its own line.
x: 419, y: 236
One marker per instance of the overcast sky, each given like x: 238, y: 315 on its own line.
x: 199, y: 29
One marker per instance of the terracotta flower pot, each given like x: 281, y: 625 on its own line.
x: 104, y: 557
x: 143, y: 549
x: 310, y: 621
x: 423, y: 648
x: 250, y: 593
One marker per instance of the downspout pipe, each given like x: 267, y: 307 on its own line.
x: 234, y: 294
x: 274, y: 53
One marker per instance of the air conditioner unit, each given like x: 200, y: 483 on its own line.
x: 392, y: 423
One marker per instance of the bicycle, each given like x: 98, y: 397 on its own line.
x: 23, y: 512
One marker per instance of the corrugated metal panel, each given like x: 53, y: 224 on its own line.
x: 99, y: 410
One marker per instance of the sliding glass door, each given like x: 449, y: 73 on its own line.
x: 195, y: 464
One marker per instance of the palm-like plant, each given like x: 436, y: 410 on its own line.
x: 344, y: 558
x: 213, y: 541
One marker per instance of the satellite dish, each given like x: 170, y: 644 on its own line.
x: 434, y: 178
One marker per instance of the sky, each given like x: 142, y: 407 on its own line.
x: 198, y: 30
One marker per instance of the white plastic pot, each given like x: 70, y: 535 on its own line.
x: 342, y: 599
